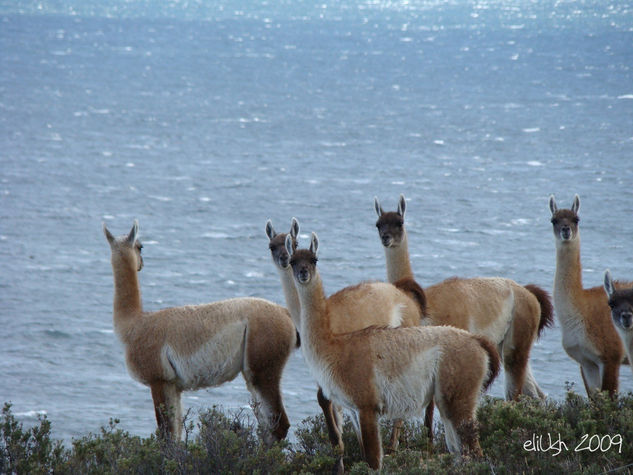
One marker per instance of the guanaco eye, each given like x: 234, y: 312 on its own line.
x: 554, y: 221
x: 576, y: 220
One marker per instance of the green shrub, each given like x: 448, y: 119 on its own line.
x: 115, y: 451
x: 27, y: 451
x: 228, y: 443
x: 537, y: 437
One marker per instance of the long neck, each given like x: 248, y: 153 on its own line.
x: 127, y: 292
x: 568, y: 278
x: 398, y: 262
x: 315, y: 320
x: 291, y: 295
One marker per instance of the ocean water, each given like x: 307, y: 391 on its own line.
x: 204, y: 119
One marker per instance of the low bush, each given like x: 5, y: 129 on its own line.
x: 576, y: 435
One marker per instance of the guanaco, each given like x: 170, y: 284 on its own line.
x: 508, y: 314
x: 185, y: 348
x: 405, y: 312
x: 589, y: 336
x: 621, y: 305
x: 390, y: 372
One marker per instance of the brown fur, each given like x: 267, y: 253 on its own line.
x: 493, y: 360
x: 621, y: 304
x: 469, y: 433
x: 413, y: 289
x: 161, y: 408
x: 373, y: 293
x: 547, y: 309
x: 484, y: 306
x: 367, y: 369
x: 342, y: 322
x: 190, y: 347
x: 589, y: 335
x: 455, y: 301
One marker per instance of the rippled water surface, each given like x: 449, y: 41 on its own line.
x: 202, y: 121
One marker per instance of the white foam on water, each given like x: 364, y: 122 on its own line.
x: 31, y: 414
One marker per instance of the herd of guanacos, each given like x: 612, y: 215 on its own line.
x: 377, y: 349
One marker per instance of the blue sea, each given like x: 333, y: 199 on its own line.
x: 203, y: 119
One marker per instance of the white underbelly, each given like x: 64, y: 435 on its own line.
x: 217, y: 361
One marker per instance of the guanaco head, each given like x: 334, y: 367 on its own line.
x: 303, y: 261
x: 127, y: 247
x: 620, y: 302
x: 277, y: 243
x: 565, y: 221
x: 391, y: 224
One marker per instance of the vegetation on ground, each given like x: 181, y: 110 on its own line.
x: 576, y: 435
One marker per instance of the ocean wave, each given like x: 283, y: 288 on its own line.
x: 31, y: 414
x: 164, y: 199
x: 215, y: 235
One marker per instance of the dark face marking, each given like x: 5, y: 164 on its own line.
x: 621, y: 303
x: 303, y: 264
x: 277, y: 246
x: 565, y: 224
x: 390, y: 227
x: 138, y: 247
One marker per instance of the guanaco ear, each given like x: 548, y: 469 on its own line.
x: 131, y: 238
x: 402, y: 205
x: 552, y: 204
x: 576, y: 204
x: 108, y: 234
x: 608, y: 283
x: 314, y: 244
x: 294, y: 228
x: 288, y: 244
x: 379, y: 210
x: 270, y: 231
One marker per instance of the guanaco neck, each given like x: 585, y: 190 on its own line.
x: 315, y: 319
x: 398, y: 262
x: 127, y: 293
x: 568, y: 277
x: 291, y: 295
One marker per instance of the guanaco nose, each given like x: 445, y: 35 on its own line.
x: 627, y: 319
x: 284, y: 259
x: 303, y: 274
x: 565, y: 232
